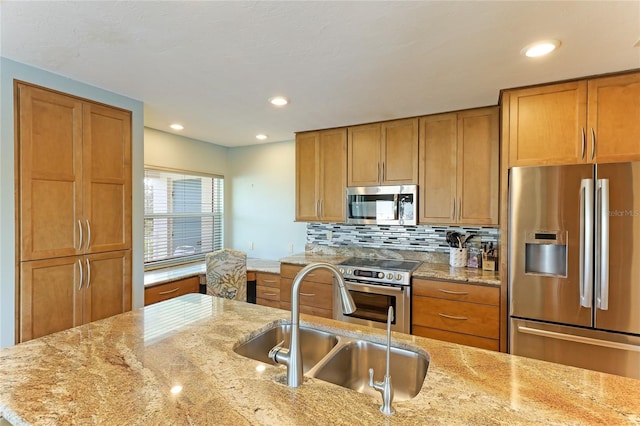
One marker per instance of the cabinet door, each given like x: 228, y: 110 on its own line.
x: 478, y: 167
x: 306, y: 173
x: 364, y: 161
x: 400, y: 152
x: 107, y: 178
x: 333, y: 174
x: 107, y: 285
x: 437, y: 184
x: 50, y: 296
x: 547, y: 125
x: 50, y: 153
x: 614, y: 119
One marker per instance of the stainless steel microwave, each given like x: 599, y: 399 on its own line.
x: 382, y: 205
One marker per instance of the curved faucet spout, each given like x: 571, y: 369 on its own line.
x: 292, y: 357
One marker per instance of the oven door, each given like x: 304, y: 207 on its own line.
x: 372, y: 305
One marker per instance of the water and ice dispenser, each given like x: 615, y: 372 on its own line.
x: 546, y: 253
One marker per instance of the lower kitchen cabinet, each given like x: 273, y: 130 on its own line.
x: 268, y: 289
x: 463, y: 313
x: 160, y: 292
x: 316, y: 291
x: 57, y: 294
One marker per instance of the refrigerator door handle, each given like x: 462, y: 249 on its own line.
x: 586, y: 242
x: 602, y: 245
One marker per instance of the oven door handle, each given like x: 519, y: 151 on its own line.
x: 377, y: 288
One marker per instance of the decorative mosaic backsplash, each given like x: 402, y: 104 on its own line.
x: 419, y: 238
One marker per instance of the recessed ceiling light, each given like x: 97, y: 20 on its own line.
x: 540, y: 48
x: 278, y: 101
x: 261, y: 137
x: 176, y: 126
x: 176, y: 389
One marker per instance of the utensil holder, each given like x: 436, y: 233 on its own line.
x: 457, y: 257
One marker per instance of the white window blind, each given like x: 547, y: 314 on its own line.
x: 183, y: 216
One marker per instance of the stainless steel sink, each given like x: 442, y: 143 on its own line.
x: 314, y: 344
x: 349, y: 366
x: 344, y: 361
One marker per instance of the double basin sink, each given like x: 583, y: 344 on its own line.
x: 343, y: 360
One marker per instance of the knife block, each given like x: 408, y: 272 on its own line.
x: 489, y: 263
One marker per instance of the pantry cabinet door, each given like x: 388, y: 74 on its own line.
x: 107, y: 288
x: 50, y: 155
x: 50, y: 296
x: 107, y: 178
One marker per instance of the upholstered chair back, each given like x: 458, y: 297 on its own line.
x: 227, y: 274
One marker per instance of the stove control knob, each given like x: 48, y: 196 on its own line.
x: 390, y: 276
x: 398, y: 277
x: 341, y: 271
x: 380, y: 275
x: 349, y: 271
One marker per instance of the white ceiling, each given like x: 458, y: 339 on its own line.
x: 212, y: 65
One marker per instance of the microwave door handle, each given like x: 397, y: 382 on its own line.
x: 602, y: 247
x: 586, y: 242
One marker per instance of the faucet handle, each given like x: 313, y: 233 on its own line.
x: 372, y: 383
x: 273, y: 353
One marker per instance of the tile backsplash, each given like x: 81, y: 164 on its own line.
x: 420, y: 238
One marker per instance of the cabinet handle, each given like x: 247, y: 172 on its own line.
x: 88, y: 234
x: 269, y: 294
x: 453, y: 208
x: 269, y: 281
x: 80, y: 232
x: 453, y: 317
x: 382, y: 172
x: 307, y: 294
x: 593, y: 144
x: 321, y: 207
x: 584, y: 144
x: 169, y: 291
x: 81, y: 274
x: 459, y: 209
x: 459, y: 293
x: 317, y: 207
x: 88, y: 273
x: 378, y: 171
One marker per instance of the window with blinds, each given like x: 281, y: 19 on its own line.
x: 183, y: 216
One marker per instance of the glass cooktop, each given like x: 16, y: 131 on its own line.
x: 388, y: 264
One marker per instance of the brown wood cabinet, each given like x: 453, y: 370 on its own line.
x: 60, y: 293
x: 165, y: 291
x: 383, y: 153
x: 321, y: 175
x: 456, y: 312
x: 459, y: 167
x: 74, y: 202
x: 316, y: 291
x: 584, y: 121
x: 268, y: 289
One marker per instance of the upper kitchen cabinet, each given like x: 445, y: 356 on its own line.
x: 321, y: 175
x: 596, y: 120
x: 75, y: 175
x: 383, y: 153
x: 459, y: 168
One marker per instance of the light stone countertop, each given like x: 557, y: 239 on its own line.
x: 121, y: 371
x: 443, y: 271
x: 173, y: 273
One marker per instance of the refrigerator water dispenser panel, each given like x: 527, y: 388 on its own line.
x: 546, y: 254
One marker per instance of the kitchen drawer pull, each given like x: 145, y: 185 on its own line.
x: 170, y: 291
x: 453, y: 317
x: 270, y: 281
x: 459, y: 293
x: 269, y: 294
x: 307, y: 294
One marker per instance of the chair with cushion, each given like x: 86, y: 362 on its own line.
x: 227, y: 274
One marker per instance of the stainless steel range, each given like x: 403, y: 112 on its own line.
x: 376, y: 284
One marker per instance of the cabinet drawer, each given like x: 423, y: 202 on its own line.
x: 267, y: 302
x: 267, y: 280
x: 459, y: 338
x: 310, y: 310
x: 311, y: 293
x: 171, y: 289
x: 456, y: 291
x: 318, y: 275
x: 461, y: 317
x: 269, y: 293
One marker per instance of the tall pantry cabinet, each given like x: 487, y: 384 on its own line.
x: 73, y: 211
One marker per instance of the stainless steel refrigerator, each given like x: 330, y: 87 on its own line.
x: 574, y: 265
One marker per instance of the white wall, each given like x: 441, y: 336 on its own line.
x: 10, y: 70
x: 263, y: 201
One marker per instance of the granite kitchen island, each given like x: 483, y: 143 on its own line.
x: 122, y: 370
